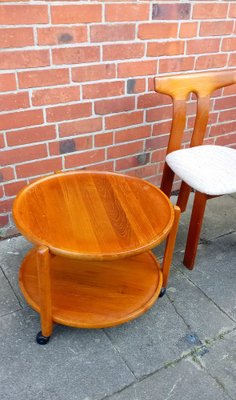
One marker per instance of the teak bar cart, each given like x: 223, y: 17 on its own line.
x: 92, y: 266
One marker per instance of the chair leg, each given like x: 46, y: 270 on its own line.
x: 167, y: 180
x: 194, y: 229
x: 183, y: 196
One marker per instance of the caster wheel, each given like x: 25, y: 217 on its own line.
x: 40, y: 339
x: 162, y: 292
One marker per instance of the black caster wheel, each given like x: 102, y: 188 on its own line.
x: 162, y: 292
x: 40, y: 339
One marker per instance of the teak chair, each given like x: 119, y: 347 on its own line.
x: 209, y: 169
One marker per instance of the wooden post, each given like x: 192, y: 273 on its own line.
x: 170, y: 244
x: 44, y: 281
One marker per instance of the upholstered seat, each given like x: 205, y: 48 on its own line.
x: 207, y: 169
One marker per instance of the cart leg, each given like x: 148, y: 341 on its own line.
x: 44, y: 281
x: 170, y: 244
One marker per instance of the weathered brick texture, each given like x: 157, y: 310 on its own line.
x: 76, y: 84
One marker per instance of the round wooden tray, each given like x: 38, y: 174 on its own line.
x: 95, y: 294
x: 93, y: 215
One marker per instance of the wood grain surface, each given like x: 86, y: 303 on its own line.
x: 94, y: 294
x: 93, y: 215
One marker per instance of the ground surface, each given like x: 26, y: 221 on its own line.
x: 184, y: 348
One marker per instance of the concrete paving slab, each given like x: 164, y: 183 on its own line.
x: 215, y: 272
x: 76, y: 364
x: 220, y: 362
x: 8, y: 301
x: 217, y: 221
x: 12, y: 252
x: 153, y: 340
x: 183, y: 381
x: 204, y: 318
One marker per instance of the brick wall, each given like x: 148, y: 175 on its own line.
x: 76, y: 84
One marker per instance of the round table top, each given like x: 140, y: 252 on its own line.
x: 93, y: 215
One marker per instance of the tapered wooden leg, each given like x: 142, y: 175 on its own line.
x: 170, y: 244
x: 198, y: 210
x: 44, y: 282
x: 184, y: 193
x: 167, y: 180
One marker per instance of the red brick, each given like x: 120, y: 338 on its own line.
x: 24, y: 59
x: 229, y: 89
x: 226, y: 140
x: 232, y: 10
x: 104, y: 89
x: 136, y: 86
x: 44, y: 77
x: 16, y: 37
x: 126, y: 12
x: 176, y: 64
x: 143, y: 172
x: 85, y: 158
x: 2, y: 142
x: 153, y: 100
x: 222, y: 129
x: 123, y: 51
x: 161, y: 128
x: 38, y: 167
x: 103, y: 139
x: 81, y: 143
x: 94, y: 72
x: 76, y: 55
x: 23, y: 14
x: 62, y: 35
x: 105, y: 166
x: 123, y: 150
x: 159, y: 114
x: 211, y: 61
x: 165, y: 48
x: 158, y: 30
x: 232, y: 60
x: 171, y: 11
x: 210, y: 10
x: 188, y: 29
x: 229, y: 44
x: 228, y: 115
x: 56, y: 96
x: 25, y: 154
x: 31, y: 135
x: 7, y: 82
x: 14, y: 101
x: 111, y: 33
x: 137, y: 68
x: 21, y: 119
x: 158, y: 155
x: 6, y: 174
x: 74, y: 111
x: 114, y: 105
x: 127, y: 163
x: 82, y: 126
x: 139, y: 132
x: 225, y: 102
x: 203, y: 46
x: 4, y: 220
x: 157, y: 142
x: 74, y: 14
x: 11, y: 189
x: 213, y: 28
x: 6, y: 205
x: 126, y: 119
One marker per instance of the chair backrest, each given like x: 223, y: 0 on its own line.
x: 179, y: 87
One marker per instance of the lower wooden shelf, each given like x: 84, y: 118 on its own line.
x: 95, y: 294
